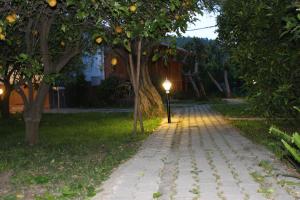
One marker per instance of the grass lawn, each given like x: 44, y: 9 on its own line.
x: 234, y: 110
x: 256, y: 130
x: 75, y: 154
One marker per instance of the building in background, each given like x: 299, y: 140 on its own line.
x: 97, y: 67
x: 94, y: 67
x: 168, y: 67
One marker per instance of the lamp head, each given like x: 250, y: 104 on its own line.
x: 1, y: 91
x: 167, y: 85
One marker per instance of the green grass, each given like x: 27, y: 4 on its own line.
x: 75, y: 154
x: 234, y: 110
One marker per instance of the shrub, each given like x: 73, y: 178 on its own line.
x: 112, y: 90
x: 290, y: 143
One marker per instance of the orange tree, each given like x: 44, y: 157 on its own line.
x: 135, y: 28
x: 9, y: 49
x: 50, y: 34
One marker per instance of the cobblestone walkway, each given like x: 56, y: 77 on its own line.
x: 199, y: 156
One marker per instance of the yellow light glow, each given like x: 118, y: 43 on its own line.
x: 167, y: 85
x: 1, y: 91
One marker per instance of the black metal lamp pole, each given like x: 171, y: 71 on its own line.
x: 1, y: 94
x: 168, y: 107
x: 167, y: 86
x: 1, y: 100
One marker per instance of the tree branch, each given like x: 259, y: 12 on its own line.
x: 44, y: 47
x: 66, y: 57
x: 28, y: 37
x: 22, y: 94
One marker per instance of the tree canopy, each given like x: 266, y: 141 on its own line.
x: 49, y: 34
x: 262, y: 38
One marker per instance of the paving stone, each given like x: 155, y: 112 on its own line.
x: 198, y: 156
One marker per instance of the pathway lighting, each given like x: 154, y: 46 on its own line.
x: 167, y: 85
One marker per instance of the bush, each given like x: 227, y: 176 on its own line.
x: 290, y: 143
x: 113, y: 90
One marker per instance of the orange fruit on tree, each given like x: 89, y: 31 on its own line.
x: 2, y: 36
x: 14, y: 15
x: 52, y: 3
x: 11, y: 18
x: 114, y: 61
x: 99, y: 40
x: 118, y: 29
x: 133, y: 8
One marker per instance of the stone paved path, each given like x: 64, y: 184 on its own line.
x: 199, y: 156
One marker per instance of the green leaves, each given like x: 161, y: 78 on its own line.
x: 63, y: 28
x: 70, y: 2
x: 265, y: 49
x: 156, y: 57
x: 23, y: 57
x: 291, y: 143
x: 127, y: 45
x: 152, y: 19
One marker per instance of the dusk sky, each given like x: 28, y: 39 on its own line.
x: 208, y: 19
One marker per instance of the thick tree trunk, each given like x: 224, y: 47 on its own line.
x: 33, y: 114
x: 5, y: 101
x: 227, y: 86
x: 215, y: 82
x: 151, y: 103
x: 32, y: 124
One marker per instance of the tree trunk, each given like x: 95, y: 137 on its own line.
x: 202, y: 88
x: 195, y: 87
x: 5, y: 101
x: 135, y: 72
x: 33, y: 114
x: 228, y: 90
x: 215, y: 82
x: 151, y: 103
x: 32, y: 124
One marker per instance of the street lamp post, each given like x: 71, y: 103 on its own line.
x: 167, y: 86
x: 1, y: 94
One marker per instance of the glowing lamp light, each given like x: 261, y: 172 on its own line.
x: 167, y: 85
x: 1, y: 91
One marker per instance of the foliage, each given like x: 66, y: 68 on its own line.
x: 291, y: 143
x: 113, y: 90
x: 124, y: 26
x: 77, y: 152
x: 234, y: 110
x: 51, y: 34
x: 133, y: 30
x: 210, y: 58
x: 261, y: 37
x: 26, y: 31
x: 198, y: 54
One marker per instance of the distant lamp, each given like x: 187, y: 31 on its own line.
x: 167, y: 85
x: 1, y: 91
